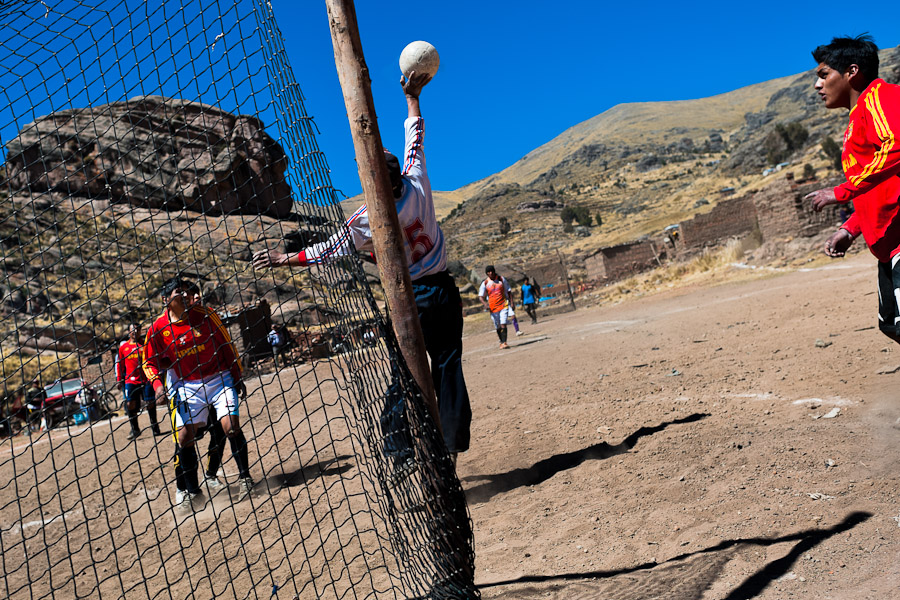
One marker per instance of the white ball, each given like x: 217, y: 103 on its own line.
x: 420, y: 57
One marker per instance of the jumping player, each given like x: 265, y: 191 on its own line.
x: 437, y: 297
x: 133, y: 382
x: 495, y: 295
x: 192, y: 342
x: 847, y: 77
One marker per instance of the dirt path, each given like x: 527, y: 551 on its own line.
x: 684, y: 446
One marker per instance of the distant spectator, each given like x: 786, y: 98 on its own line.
x: 276, y: 338
x: 35, y: 398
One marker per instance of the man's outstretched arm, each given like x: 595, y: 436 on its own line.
x: 412, y: 87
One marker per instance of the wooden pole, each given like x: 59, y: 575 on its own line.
x: 566, y: 274
x: 373, y: 174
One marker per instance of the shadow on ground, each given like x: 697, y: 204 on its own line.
x: 683, y: 577
x: 547, y: 468
x: 303, y: 475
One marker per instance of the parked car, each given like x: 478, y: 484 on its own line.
x: 75, y: 400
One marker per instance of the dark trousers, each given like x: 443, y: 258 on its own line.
x: 440, y: 315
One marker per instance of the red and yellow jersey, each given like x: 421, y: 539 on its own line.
x: 871, y: 161
x: 129, y: 364
x: 196, y: 346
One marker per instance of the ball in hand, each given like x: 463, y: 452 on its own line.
x: 420, y: 57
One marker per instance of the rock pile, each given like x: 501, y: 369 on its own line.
x: 154, y: 152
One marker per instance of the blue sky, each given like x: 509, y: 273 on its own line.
x: 514, y: 75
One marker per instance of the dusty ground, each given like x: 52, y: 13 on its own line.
x: 683, y: 446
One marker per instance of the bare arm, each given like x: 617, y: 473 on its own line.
x: 412, y: 87
x: 273, y: 258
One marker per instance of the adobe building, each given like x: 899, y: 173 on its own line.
x: 618, y: 262
x: 782, y: 211
x: 731, y: 218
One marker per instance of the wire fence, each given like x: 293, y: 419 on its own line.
x: 144, y: 141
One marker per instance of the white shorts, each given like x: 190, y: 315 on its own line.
x: 500, y: 317
x: 192, y: 399
x: 510, y: 313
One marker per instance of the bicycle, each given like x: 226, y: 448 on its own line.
x: 99, y: 403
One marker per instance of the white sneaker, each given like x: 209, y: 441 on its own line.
x: 245, y: 486
x: 183, y: 500
x: 520, y: 332
x: 213, y: 483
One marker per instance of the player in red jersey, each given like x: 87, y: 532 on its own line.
x: 847, y: 77
x: 191, y: 341
x: 132, y: 380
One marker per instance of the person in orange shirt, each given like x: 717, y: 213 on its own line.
x: 133, y: 382
x: 496, y: 296
x: 191, y: 341
x: 847, y: 77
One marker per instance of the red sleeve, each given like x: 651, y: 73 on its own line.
x: 151, y: 363
x: 120, y: 365
x: 852, y: 226
x: 226, y: 352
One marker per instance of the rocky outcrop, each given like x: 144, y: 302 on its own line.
x: 154, y: 152
x: 545, y: 204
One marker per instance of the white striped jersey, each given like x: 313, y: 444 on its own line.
x: 423, y: 239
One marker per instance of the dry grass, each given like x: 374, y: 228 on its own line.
x: 713, y: 266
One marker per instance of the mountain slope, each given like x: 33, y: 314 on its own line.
x: 643, y: 166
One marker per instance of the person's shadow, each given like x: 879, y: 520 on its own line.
x: 545, y: 469
x: 691, y: 573
x: 304, y: 475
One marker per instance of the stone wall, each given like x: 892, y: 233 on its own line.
x: 783, y: 212
x: 728, y: 219
x: 617, y: 262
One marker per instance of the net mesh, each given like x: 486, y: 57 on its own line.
x: 146, y: 140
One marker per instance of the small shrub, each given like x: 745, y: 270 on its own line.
x: 832, y: 152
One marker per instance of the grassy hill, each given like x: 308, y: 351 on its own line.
x: 643, y: 166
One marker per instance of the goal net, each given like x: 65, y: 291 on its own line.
x: 146, y: 141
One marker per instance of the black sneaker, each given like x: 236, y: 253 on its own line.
x: 133, y: 434
x: 402, y: 471
x: 155, y: 430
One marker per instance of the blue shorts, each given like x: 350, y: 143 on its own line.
x: 138, y: 392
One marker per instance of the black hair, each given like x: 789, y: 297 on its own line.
x: 396, y: 175
x: 845, y: 51
x: 489, y: 269
x: 172, y: 284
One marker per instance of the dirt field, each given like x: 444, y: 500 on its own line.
x: 719, y: 442
x: 734, y: 441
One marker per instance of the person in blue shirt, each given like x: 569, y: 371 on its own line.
x: 529, y: 300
